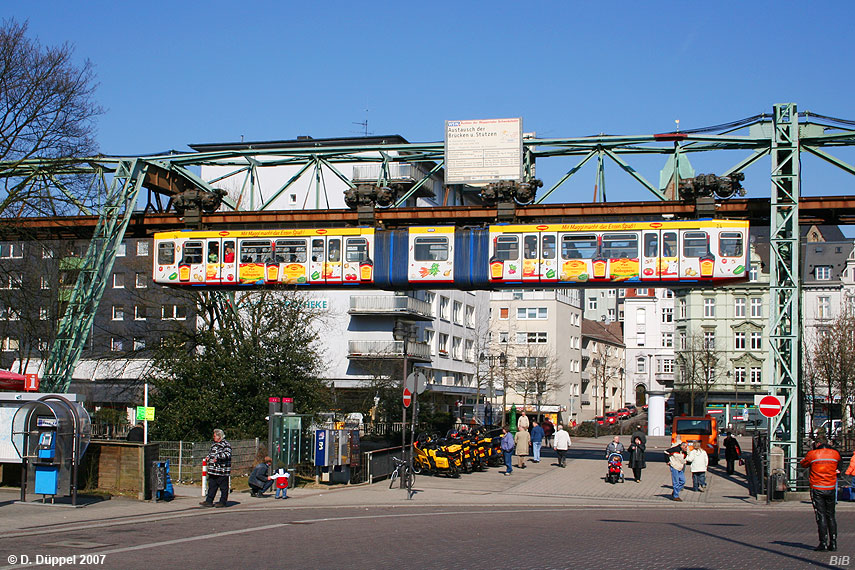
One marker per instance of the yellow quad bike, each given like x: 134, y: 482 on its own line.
x: 430, y: 458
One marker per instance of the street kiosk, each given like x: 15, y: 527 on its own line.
x: 51, y: 435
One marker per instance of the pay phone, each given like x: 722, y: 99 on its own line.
x: 45, y: 462
x: 47, y: 438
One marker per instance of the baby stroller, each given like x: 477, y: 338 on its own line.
x: 614, y: 474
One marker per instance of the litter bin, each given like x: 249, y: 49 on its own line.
x: 777, y: 485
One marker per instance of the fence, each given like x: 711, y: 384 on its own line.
x: 185, y: 457
x: 377, y: 464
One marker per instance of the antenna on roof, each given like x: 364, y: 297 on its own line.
x: 364, y: 125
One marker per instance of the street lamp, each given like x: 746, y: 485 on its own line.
x: 491, y: 362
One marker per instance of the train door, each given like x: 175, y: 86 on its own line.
x: 191, y: 264
x: 228, y: 270
x: 650, y: 266
x: 505, y: 258
x: 358, y: 265
x: 548, y: 257
x: 731, y: 251
x: 213, y: 259
x: 531, y: 257
x: 696, y: 260
x: 291, y: 257
x: 620, y: 250
x: 253, y: 255
x: 577, y: 257
x: 164, y: 267
x: 431, y: 255
x: 326, y: 264
x: 669, y: 259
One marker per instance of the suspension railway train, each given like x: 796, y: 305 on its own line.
x: 663, y: 253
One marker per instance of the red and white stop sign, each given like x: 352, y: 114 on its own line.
x: 408, y: 397
x: 770, y: 406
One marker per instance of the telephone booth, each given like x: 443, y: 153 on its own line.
x: 51, y: 435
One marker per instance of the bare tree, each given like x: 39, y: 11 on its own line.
x: 833, y: 359
x: 700, y: 363
x: 536, y: 374
x: 47, y: 111
x: 605, y: 366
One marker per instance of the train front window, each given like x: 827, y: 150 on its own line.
x: 695, y: 244
x: 507, y: 248
x: 547, y: 247
x: 356, y: 250
x: 669, y: 244
x: 730, y: 244
x: 166, y: 253
x: 291, y: 250
x: 193, y: 252
x: 620, y: 246
x: 430, y: 249
x: 651, y: 245
x: 694, y: 427
x: 255, y: 251
x: 578, y: 247
x: 530, y: 247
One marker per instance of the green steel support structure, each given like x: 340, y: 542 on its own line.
x: 785, y: 285
x: 76, y: 323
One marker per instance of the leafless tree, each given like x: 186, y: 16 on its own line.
x: 536, y: 373
x: 833, y: 359
x: 605, y: 367
x: 700, y: 363
x: 47, y: 112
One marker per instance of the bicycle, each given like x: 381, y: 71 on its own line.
x: 402, y: 469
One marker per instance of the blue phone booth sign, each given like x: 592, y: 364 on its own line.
x: 321, y: 448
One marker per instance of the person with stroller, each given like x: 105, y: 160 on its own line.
x: 699, y: 461
x: 614, y: 456
x: 615, y: 446
x: 636, y: 457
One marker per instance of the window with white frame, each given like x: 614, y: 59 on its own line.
x: 531, y: 361
x: 121, y: 250
x: 430, y: 296
x: 44, y: 314
x: 469, y: 351
x: 116, y: 344
x: 756, y: 341
x: 9, y: 344
x: 641, y: 316
x: 528, y: 313
x: 44, y: 283
x: 429, y: 336
x: 118, y: 280
x: 754, y: 272
x: 47, y: 252
x: 641, y: 292
x: 443, y: 307
x: 756, y: 375
x: 457, y: 313
x: 709, y: 308
x: 739, y: 304
x: 739, y: 341
x: 11, y: 250
x: 140, y: 312
x: 610, y: 293
x: 455, y: 348
x: 683, y: 341
x: 141, y: 281
x: 823, y: 272
x: 667, y: 365
x: 667, y: 294
x: 142, y: 248
x: 118, y: 313
x: 739, y: 374
x: 823, y: 307
x: 139, y: 343
x: 667, y: 314
x: 592, y: 303
x: 667, y: 340
x: 682, y: 308
x: 611, y: 314
x: 442, y: 347
x: 173, y: 312
x: 503, y: 337
x: 470, y: 316
x: 756, y: 307
x: 531, y: 337
x: 709, y: 340
x: 640, y: 338
x: 641, y: 365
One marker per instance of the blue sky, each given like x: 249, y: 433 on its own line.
x: 175, y: 73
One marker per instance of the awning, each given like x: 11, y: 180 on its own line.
x: 12, y: 381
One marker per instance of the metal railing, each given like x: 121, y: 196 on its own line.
x: 378, y: 464
x: 185, y: 457
x: 389, y: 304
x: 387, y: 348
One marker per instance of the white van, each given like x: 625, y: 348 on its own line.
x: 832, y: 427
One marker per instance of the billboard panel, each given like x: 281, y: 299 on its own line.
x: 484, y: 150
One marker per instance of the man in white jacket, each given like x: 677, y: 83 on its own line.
x: 561, y: 444
x: 699, y: 461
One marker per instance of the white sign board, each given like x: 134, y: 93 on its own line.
x: 758, y: 397
x: 483, y: 151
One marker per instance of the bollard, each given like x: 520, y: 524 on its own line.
x: 205, y: 477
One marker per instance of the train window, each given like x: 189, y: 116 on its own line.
x: 255, y: 251
x: 291, y: 250
x: 578, y: 247
x: 317, y: 250
x: 430, y: 249
x: 695, y: 244
x: 547, y: 245
x: 620, y: 246
x: 213, y: 252
x: 669, y: 244
x: 334, y: 250
x: 229, y: 251
x: 529, y: 247
x: 507, y: 248
x: 730, y: 244
x: 651, y: 245
x: 165, y: 253
x: 193, y: 253
x: 356, y: 250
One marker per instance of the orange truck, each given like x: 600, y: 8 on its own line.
x: 697, y: 428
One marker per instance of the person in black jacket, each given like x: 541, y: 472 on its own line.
x: 636, y: 457
x: 732, y: 452
x: 259, y: 479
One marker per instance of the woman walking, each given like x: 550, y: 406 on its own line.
x: 636, y: 458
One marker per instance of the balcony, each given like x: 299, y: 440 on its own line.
x: 393, y: 305
x: 402, y: 173
x: 387, y: 349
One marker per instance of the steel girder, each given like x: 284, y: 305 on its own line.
x: 76, y: 323
x: 785, y: 284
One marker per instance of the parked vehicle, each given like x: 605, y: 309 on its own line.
x: 611, y: 418
x: 633, y: 410
x: 698, y: 428
x: 600, y: 420
x: 623, y: 414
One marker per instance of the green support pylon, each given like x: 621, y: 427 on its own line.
x: 95, y: 270
x: 785, y: 284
